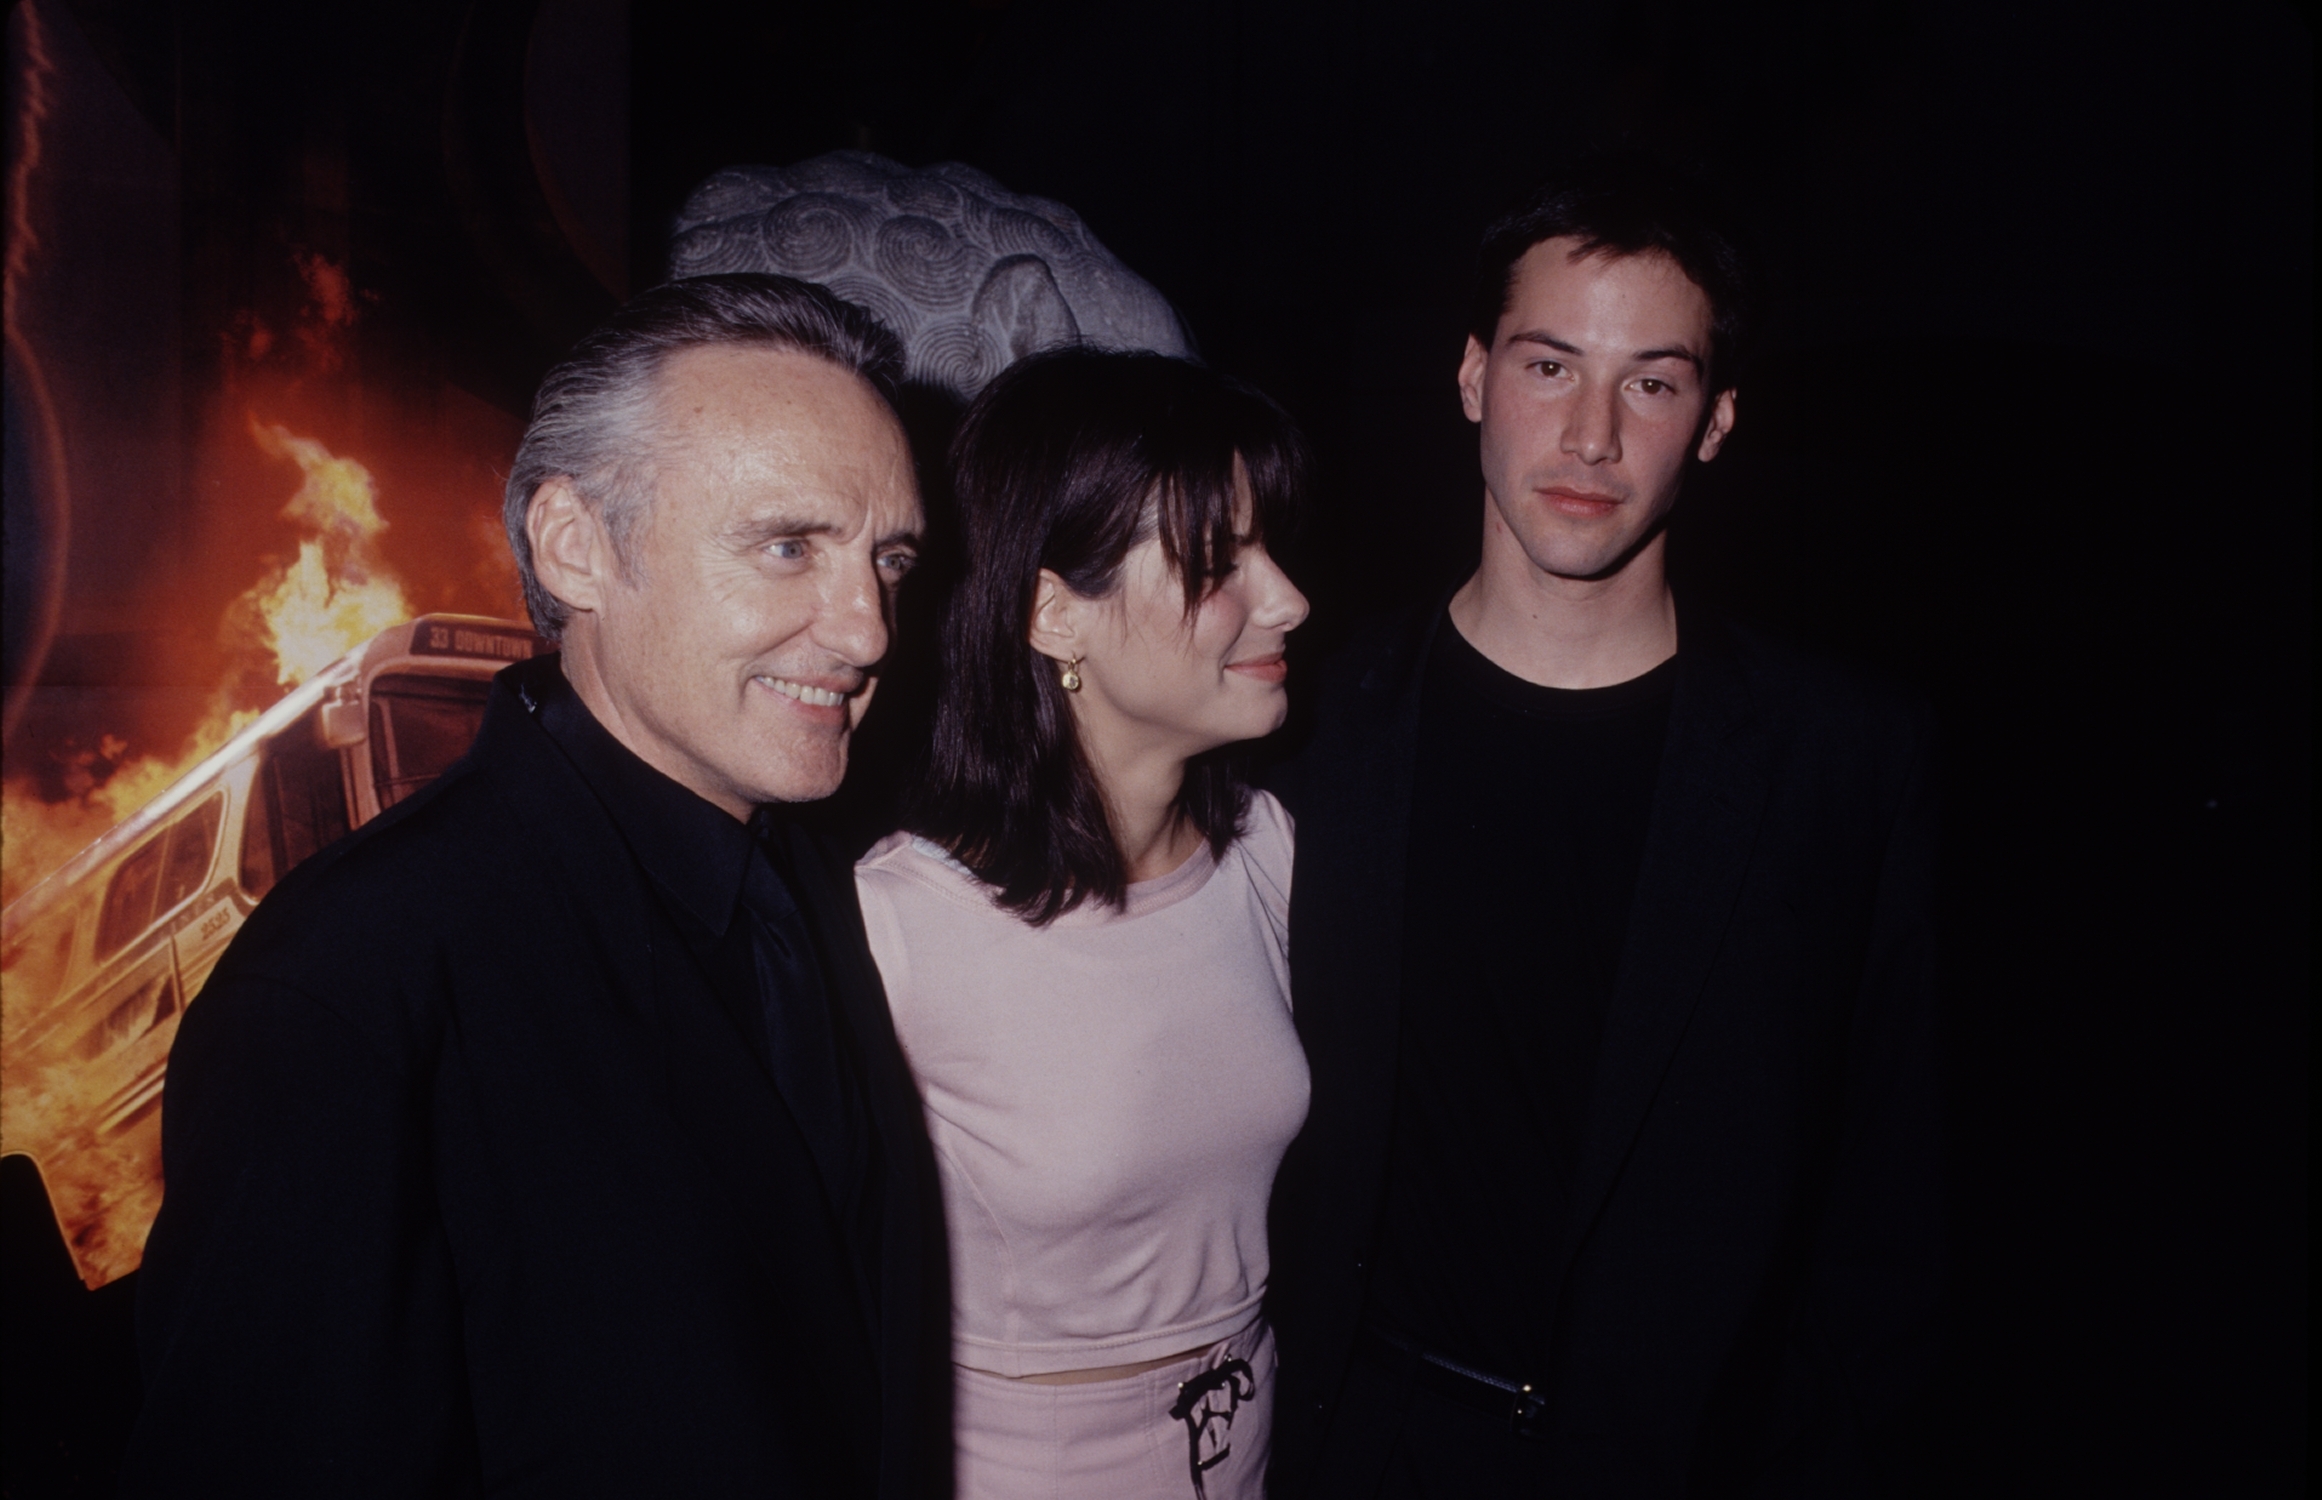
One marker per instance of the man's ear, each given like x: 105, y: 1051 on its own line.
x: 1471, y: 378
x: 1713, y: 432
x: 1055, y: 630
x: 572, y: 555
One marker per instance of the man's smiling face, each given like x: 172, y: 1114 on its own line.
x: 738, y: 646
x: 1590, y: 399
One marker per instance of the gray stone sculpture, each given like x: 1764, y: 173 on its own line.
x: 970, y: 276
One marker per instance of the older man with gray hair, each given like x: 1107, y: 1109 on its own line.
x: 549, y: 1134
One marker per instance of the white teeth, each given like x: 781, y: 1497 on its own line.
x: 817, y: 697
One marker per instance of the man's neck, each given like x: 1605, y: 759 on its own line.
x: 1568, y: 632
x: 583, y: 671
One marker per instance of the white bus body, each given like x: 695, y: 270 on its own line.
x: 100, y: 959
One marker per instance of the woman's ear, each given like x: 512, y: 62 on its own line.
x: 1055, y: 630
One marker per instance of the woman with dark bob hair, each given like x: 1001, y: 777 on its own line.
x: 1083, y: 933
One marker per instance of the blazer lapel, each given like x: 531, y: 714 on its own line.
x: 1346, y: 934
x: 744, y: 1133
x: 910, y: 1307
x: 719, y: 1088
x: 727, y: 1102
x: 1706, y: 809
x: 859, y: 1011
x: 574, y: 842
x: 747, y: 1132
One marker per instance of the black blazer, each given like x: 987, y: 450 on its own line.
x: 475, y: 1187
x: 1747, y: 1281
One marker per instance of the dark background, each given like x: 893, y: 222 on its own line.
x: 2032, y: 430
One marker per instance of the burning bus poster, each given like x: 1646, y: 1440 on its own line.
x: 123, y: 891
x: 256, y: 586
x: 104, y: 953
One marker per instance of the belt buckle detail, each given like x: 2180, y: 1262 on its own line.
x: 1525, y: 1407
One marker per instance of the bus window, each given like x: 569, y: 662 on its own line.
x: 419, y: 726
x: 193, y: 840
x: 129, y: 900
x: 298, y: 804
x: 259, y: 869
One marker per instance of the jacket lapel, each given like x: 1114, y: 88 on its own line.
x: 910, y: 1307
x: 1706, y: 809
x: 718, y: 1085
x: 573, y: 843
x: 859, y: 1010
x: 1346, y: 928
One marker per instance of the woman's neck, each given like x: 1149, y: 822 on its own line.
x: 1140, y: 795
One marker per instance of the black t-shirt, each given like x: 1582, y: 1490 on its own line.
x: 1528, y: 821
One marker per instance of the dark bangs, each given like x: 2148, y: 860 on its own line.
x: 1191, y: 494
x: 1066, y: 462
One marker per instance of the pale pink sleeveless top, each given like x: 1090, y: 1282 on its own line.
x: 1108, y: 1096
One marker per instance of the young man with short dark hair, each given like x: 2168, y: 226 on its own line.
x: 1612, y: 952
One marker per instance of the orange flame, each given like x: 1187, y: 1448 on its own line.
x: 300, y: 617
x: 338, y: 594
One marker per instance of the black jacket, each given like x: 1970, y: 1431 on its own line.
x: 1747, y: 1282
x: 476, y: 1186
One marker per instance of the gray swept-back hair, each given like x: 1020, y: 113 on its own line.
x: 592, y: 420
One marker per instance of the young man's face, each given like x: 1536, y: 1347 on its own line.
x: 1590, y: 399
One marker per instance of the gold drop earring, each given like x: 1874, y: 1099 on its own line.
x: 1069, y: 678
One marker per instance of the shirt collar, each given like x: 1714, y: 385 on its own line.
x: 692, y: 847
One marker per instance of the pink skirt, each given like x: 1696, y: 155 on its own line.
x: 1195, y: 1430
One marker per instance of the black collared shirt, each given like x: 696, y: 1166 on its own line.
x: 693, y: 850
x: 724, y: 888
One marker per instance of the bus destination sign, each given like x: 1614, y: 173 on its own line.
x: 442, y: 638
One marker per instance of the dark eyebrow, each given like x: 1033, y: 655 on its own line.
x: 909, y: 539
x: 1550, y: 340
x: 1677, y: 351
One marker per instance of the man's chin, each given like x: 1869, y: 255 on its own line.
x: 1588, y: 560
x: 806, y: 783
x: 1573, y: 566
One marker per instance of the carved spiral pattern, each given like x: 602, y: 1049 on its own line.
x: 813, y: 234
x: 714, y: 248
x: 925, y: 261
x: 969, y: 180
x: 969, y: 275
x: 733, y: 193
x: 1015, y: 232
x: 1055, y: 213
x: 880, y: 300
x: 854, y: 174
x: 955, y: 354
x: 928, y: 197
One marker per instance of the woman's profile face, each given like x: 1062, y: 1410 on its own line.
x: 1154, y: 681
